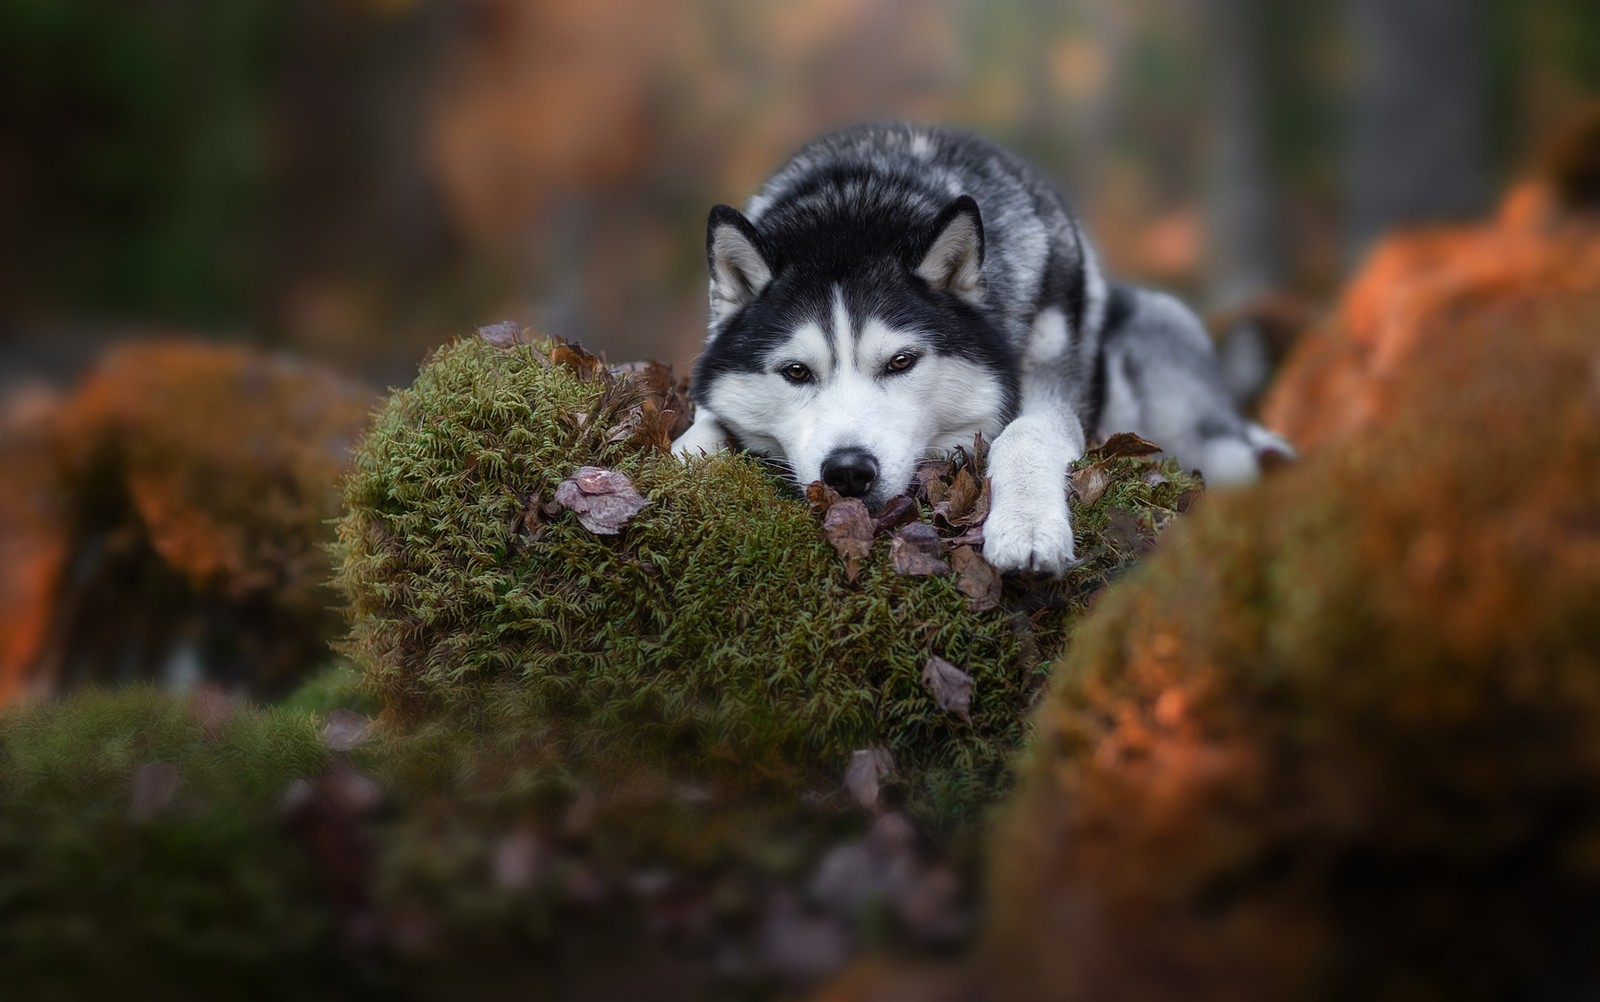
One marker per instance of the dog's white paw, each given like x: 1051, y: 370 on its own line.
x: 702, y: 437
x: 1019, y: 541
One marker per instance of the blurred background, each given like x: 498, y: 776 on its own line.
x: 356, y: 180
x: 228, y: 226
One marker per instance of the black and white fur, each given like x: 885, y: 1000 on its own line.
x: 894, y: 289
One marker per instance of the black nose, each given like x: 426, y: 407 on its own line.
x: 850, y: 472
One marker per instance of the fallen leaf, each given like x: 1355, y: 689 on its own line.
x: 504, y: 334
x: 520, y: 861
x: 211, y: 708
x: 821, y: 496
x: 976, y: 578
x: 933, y: 471
x: 1126, y: 534
x: 1187, y: 499
x: 1124, y: 443
x: 972, y: 537
x: 576, y: 357
x: 152, y: 789
x: 848, y: 528
x: 914, y: 551
x: 528, y: 525
x: 645, y: 426
x: 1089, y: 482
x: 345, y: 729
x: 963, y: 494
x: 980, y: 452
x: 1153, y: 478
x: 864, y: 775
x: 604, y: 500
x: 951, y: 687
x: 899, y: 510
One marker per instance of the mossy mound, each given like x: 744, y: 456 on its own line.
x: 1340, y: 738
x: 141, y: 844
x: 174, y: 510
x: 715, y: 633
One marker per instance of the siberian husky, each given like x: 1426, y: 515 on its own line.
x: 894, y: 289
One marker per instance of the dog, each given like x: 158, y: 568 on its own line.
x: 893, y: 290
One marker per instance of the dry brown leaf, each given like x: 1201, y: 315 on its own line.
x: 1124, y: 443
x: 951, y: 687
x: 152, y: 789
x: 1125, y: 534
x: 528, y: 526
x: 865, y: 774
x: 576, y: 357
x: 1187, y: 499
x: 976, y: 578
x: 914, y: 551
x: 980, y: 507
x: 821, y: 496
x: 521, y: 861
x: 964, y: 490
x: 1089, y: 482
x: 899, y: 510
x: 604, y: 500
x: 848, y: 528
x: 211, y: 708
x: 345, y: 729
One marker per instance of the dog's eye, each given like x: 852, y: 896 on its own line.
x: 901, y: 362
x: 794, y: 372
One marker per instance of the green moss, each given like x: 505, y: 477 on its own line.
x: 103, y: 885
x: 716, y: 631
x: 338, y: 686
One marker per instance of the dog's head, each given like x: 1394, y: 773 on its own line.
x: 851, y: 347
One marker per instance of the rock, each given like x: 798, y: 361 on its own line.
x: 1340, y: 738
x: 1343, y: 379
x: 197, y: 480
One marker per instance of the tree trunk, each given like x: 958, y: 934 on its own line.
x: 1419, y: 137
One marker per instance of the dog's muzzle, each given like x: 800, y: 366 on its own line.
x: 851, y: 472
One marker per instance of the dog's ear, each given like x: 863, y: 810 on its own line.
x: 739, y: 270
x: 954, y: 259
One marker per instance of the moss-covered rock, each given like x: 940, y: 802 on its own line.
x: 1340, y: 738
x: 170, y: 516
x: 604, y: 765
x: 716, y: 633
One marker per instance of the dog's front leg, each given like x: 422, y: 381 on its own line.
x: 1028, y: 530
x: 705, y: 435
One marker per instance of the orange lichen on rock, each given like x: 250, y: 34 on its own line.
x: 1415, y: 286
x: 192, y: 486
x: 33, y: 546
x: 1340, y: 737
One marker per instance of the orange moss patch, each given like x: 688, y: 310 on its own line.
x: 192, y: 486
x: 1340, y: 738
x: 1415, y: 286
x: 33, y: 546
